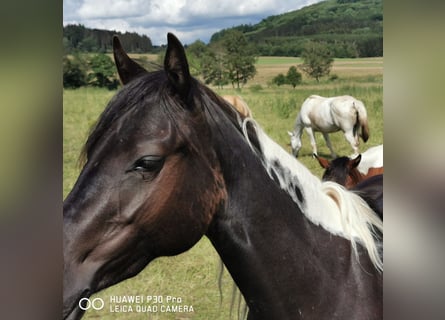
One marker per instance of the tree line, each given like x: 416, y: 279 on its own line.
x: 77, y: 37
x: 231, y: 60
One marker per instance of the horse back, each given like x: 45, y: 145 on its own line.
x: 316, y: 113
x: 344, y: 107
x: 239, y: 104
x: 373, y: 172
x: 371, y: 158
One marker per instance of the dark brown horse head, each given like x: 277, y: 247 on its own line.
x: 136, y: 197
x: 342, y: 170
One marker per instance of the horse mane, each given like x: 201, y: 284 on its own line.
x: 350, y: 217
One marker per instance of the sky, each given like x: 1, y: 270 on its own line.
x: 189, y: 20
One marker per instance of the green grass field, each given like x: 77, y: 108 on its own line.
x: 193, y: 276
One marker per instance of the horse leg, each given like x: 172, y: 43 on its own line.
x: 310, y: 133
x: 328, y: 143
x: 353, y: 140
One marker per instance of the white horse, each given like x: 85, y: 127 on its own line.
x: 329, y: 115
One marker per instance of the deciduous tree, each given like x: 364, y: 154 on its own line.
x: 293, y: 77
x: 317, y: 60
x: 239, y: 60
x: 103, y: 72
x: 279, y: 79
x: 74, y: 74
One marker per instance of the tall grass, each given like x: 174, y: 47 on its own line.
x: 193, y: 275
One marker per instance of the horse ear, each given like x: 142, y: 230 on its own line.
x: 176, y: 65
x: 353, y: 163
x: 324, y: 163
x: 290, y: 134
x: 127, y: 68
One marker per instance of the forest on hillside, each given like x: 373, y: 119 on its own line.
x: 350, y: 28
x: 77, y: 37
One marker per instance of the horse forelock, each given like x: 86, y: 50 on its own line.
x: 127, y: 99
x: 132, y: 100
x: 327, y: 204
x: 202, y: 110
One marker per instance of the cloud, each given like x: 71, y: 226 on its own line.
x: 188, y: 19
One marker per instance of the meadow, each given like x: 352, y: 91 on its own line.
x: 193, y: 276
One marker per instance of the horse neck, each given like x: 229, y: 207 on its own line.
x: 260, y: 236
x: 327, y: 204
x: 268, y: 245
x: 300, y: 184
x: 298, y: 127
x: 279, y: 260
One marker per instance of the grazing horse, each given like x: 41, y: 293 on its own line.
x: 239, y: 104
x: 344, y: 170
x: 166, y: 164
x: 329, y: 115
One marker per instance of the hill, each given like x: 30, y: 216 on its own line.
x: 351, y: 28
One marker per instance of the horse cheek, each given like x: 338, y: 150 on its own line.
x: 197, y: 207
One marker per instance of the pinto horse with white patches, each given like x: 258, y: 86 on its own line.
x: 328, y: 115
x: 166, y: 165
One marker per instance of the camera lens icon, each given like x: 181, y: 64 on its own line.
x: 96, y: 303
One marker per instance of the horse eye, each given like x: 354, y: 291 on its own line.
x: 148, y: 164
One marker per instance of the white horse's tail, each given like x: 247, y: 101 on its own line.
x: 362, y: 120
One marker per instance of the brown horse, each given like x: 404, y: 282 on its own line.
x: 239, y: 104
x: 343, y: 170
x: 166, y: 165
